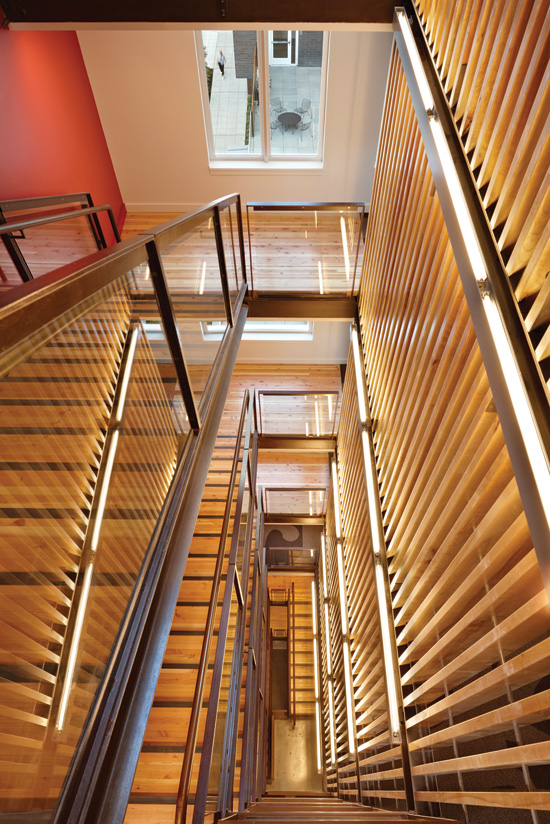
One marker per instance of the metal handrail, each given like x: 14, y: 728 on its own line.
x: 43, y: 202
x: 192, y: 733
x: 24, y: 310
x: 16, y: 204
x: 255, y: 664
x: 21, y: 225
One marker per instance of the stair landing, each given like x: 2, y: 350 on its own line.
x: 302, y: 807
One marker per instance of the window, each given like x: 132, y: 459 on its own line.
x: 263, y: 94
x: 262, y: 330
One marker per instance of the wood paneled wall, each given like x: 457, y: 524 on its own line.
x: 471, y: 613
x: 493, y: 60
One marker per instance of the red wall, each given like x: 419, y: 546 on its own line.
x: 51, y: 138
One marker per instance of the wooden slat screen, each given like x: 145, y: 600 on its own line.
x: 342, y: 776
x: 471, y: 613
x: 379, y: 757
x: 493, y: 60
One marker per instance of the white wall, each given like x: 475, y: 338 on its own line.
x: 147, y: 92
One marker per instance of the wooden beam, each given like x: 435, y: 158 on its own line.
x: 209, y: 11
x: 312, y: 520
x: 296, y: 444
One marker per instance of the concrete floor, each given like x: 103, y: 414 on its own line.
x: 295, y: 756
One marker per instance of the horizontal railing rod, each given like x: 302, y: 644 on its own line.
x: 289, y: 206
x: 15, y: 205
x: 192, y: 733
x: 167, y: 233
x: 22, y: 225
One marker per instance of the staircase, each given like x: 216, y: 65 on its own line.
x: 322, y: 807
x: 158, y: 772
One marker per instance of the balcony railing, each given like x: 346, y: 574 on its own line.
x: 43, y: 233
x: 305, y: 248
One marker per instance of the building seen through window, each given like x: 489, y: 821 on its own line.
x: 263, y: 93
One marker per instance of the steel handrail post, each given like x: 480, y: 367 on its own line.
x: 166, y: 309
x: 241, y: 237
x: 223, y: 265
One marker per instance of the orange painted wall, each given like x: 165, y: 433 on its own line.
x: 51, y: 138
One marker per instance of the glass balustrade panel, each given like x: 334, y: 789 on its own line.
x: 307, y: 250
x: 232, y: 251
x: 304, y: 502
x: 312, y: 415
x: 90, y: 442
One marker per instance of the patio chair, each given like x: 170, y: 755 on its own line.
x: 302, y: 127
x: 305, y: 108
x: 276, y: 124
x: 276, y: 105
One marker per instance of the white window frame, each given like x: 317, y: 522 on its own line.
x: 263, y: 160
x: 262, y: 330
x: 274, y: 61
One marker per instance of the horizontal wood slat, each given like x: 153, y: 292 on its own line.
x: 493, y: 60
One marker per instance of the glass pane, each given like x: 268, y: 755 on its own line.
x: 309, y: 415
x: 192, y: 271
x: 327, y: 245
x: 295, y: 92
x: 217, y: 751
x: 87, y: 466
x: 144, y: 461
x: 241, y: 546
x: 295, y: 501
x: 56, y: 391
x: 147, y: 310
x: 283, y: 557
x: 231, y: 59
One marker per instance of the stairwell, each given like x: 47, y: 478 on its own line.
x: 320, y: 807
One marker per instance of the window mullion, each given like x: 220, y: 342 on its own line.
x: 263, y: 81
